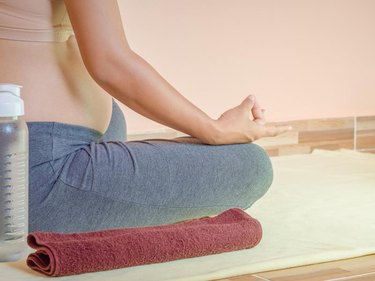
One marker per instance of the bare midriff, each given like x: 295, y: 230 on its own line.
x: 56, y: 84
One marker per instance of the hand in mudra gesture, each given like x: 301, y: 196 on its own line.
x: 245, y: 123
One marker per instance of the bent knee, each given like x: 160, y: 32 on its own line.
x: 258, y: 174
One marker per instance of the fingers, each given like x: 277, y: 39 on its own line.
x: 248, y: 103
x: 257, y: 110
x: 252, y: 104
x: 260, y: 120
x: 258, y: 113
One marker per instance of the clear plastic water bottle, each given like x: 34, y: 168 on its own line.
x: 14, y: 146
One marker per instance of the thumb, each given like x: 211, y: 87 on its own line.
x: 248, y: 102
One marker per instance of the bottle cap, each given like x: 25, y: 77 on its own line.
x: 11, y: 103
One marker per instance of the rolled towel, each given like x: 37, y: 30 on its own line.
x: 59, y: 254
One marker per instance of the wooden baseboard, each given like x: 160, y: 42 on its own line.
x: 357, y: 133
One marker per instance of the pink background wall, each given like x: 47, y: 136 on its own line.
x: 303, y: 59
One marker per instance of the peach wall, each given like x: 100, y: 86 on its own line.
x: 303, y: 59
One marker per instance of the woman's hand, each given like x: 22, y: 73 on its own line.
x: 243, y: 124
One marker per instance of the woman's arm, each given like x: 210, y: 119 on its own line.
x: 130, y: 79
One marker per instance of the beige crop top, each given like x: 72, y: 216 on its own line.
x: 34, y: 20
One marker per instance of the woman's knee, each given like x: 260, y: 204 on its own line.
x: 259, y: 173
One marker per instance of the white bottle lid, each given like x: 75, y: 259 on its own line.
x: 11, y: 103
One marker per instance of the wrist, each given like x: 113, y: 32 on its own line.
x: 211, y: 132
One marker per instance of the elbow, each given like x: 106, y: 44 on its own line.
x: 97, y: 72
x: 108, y: 69
x: 100, y: 70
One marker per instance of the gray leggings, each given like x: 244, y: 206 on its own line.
x: 82, y: 180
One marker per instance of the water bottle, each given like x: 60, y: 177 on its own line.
x: 14, y: 146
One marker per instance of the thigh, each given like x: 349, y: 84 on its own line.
x: 170, y: 173
x: 150, y: 182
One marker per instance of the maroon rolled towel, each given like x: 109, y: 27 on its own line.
x: 59, y: 254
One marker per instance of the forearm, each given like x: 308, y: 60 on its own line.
x: 138, y: 85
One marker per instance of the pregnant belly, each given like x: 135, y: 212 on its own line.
x: 56, y: 84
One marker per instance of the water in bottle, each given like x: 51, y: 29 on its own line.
x: 13, y: 174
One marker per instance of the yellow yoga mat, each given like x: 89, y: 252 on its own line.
x: 320, y: 207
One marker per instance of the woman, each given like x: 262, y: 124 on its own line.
x: 72, y: 58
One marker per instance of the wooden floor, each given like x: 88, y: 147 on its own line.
x: 357, y: 269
